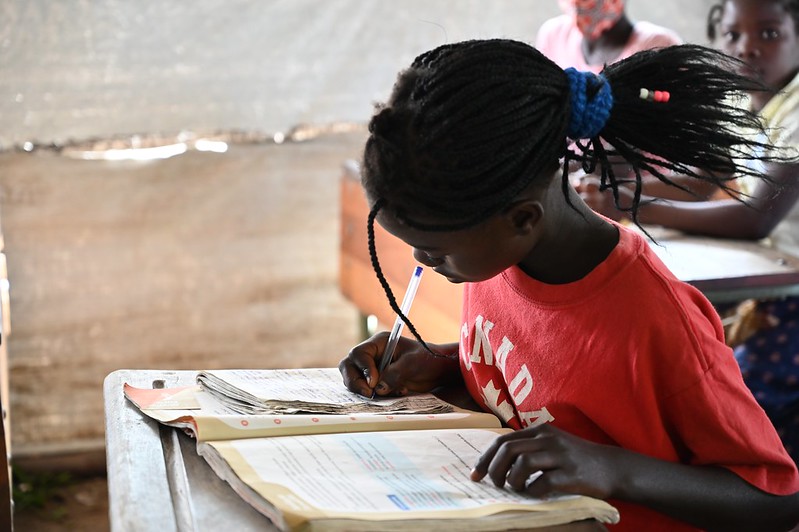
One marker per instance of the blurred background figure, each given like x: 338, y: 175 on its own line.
x: 592, y: 33
x: 765, y: 35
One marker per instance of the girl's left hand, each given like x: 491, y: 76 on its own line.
x: 569, y: 464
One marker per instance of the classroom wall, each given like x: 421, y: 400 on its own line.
x: 204, y: 260
x: 73, y: 69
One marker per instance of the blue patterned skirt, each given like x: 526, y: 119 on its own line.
x: 769, y: 362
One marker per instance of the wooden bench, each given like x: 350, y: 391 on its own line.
x: 436, y: 309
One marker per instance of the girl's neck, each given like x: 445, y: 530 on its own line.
x: 759, y: 99
x: 576, y: 241
x: 608, y: 47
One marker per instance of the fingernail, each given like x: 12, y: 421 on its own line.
x: 532, y: 478
x: 381, y: 387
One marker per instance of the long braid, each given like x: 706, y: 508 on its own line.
x: 392, y: 301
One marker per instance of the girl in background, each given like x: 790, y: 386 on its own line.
x: 614, y: 372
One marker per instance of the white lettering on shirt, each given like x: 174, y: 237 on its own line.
x: 536, y: 417
x: 481, y: 344
x: 467, y: 361
x: 520, y: 385
x: 502, y: 409
x: 502, y: 354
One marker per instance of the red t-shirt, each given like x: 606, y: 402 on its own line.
x: 628, y: 356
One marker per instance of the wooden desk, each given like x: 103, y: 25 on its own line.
x: 157, y: 481
x: 724, y: 270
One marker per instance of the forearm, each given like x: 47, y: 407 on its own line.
x: 692, y: 188
x: 712, y: 498
x: 721, y: 218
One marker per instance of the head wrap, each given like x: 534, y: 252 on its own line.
x: 594, y: 17
x: 588, y: 115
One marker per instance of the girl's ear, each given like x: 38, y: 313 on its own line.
x: 525, y: 215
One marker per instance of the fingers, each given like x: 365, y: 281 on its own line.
x: 359, y: 369
x: 360, y: 373
x: 516, y: 459
x: 524, y: 460
x: 544, y: 460
x: 486, y: 463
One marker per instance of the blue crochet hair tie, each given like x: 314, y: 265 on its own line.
x: 588, y: 117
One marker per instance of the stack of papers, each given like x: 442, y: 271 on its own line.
x: 305, y: 391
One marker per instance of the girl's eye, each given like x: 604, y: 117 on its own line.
x: 731, y: 36
x: 769, y: 35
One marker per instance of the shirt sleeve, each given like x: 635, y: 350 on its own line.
x: 718, y: 422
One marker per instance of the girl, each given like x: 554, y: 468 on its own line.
x: 764, y: 34
x: 615, y: 373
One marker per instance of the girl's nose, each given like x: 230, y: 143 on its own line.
x: 747, y: 48
x: 425, y: 259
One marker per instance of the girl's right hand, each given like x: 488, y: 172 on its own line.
x: 414, y: 369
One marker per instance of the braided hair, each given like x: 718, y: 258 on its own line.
x: 717, y: 10
x: 472, y: 124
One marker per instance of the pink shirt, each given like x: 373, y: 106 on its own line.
x: 561, y: 41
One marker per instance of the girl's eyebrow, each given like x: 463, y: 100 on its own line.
x: 770, y: 21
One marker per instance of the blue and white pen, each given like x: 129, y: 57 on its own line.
x: 405, y: 307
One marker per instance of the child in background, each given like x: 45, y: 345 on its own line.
x: 592, y: 33
x: 764, y: 34
x: 614, y: 373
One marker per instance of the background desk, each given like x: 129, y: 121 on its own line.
x: 724, y: 270
x: 158, y: 482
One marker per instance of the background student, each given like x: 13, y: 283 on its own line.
x: 615, y: 373
x: 592, y: 33
x: 764, y: 34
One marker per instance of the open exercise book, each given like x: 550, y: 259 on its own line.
x: 406, y: 467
